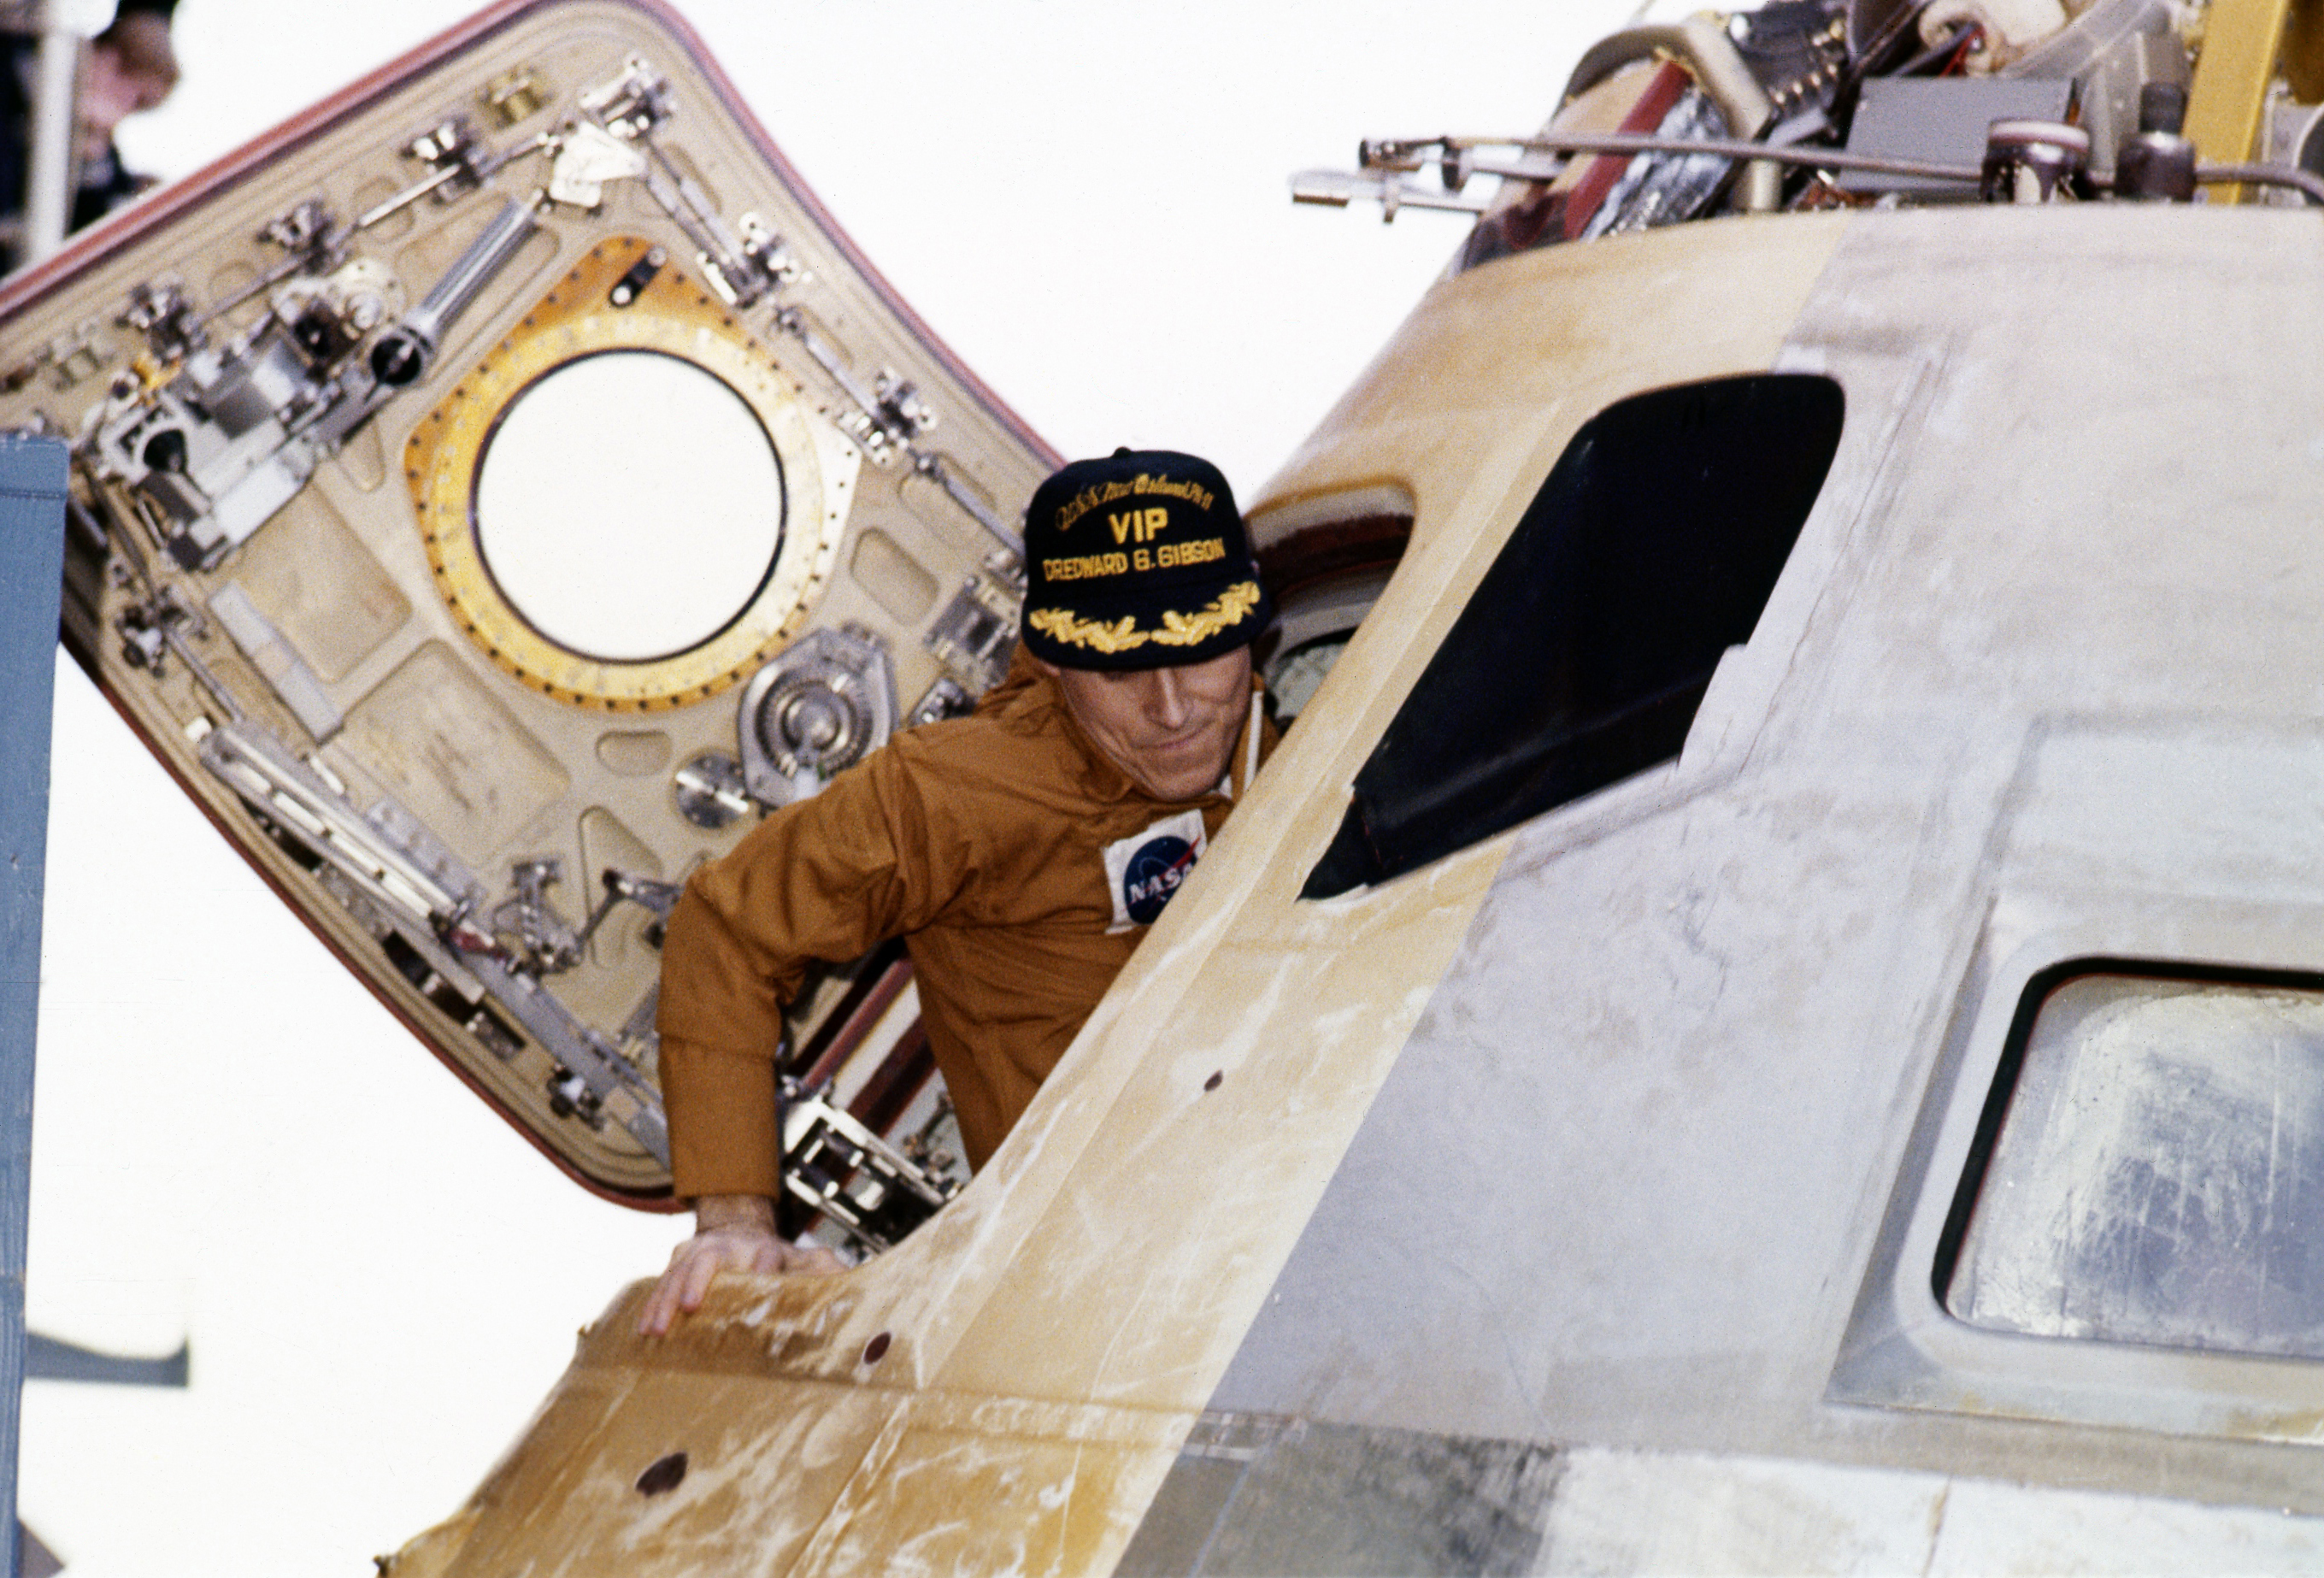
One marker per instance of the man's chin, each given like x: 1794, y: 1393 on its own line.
x: 1181, y: 783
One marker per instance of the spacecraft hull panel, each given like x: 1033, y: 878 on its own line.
x: 1607, y: 1138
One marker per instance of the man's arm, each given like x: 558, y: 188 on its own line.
x: 823, y: 878
x: 826, y: 878
x: 732, y: 1232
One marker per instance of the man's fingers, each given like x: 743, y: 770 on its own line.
x: 696, y: 1262
x: 680, y: 1288
x: 700, y: 1266
x: 661, y: 1304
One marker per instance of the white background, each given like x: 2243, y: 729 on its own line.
x: 234, y: 1144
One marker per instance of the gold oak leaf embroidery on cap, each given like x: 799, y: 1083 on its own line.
x: 1226, y: 610
x: 1122, y: 635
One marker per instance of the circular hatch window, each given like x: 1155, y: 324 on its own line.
x: 629, y: 505
x: 625, y: 503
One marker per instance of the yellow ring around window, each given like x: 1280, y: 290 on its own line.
x: 676, y: 317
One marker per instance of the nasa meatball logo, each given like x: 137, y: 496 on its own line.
x: 1144, y: 870
x: 1155, y: 872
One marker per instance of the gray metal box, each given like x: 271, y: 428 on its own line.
x: 1941, y: 120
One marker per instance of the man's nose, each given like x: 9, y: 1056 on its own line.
x: 1166, y: 706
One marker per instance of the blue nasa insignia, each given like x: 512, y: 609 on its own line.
x: 1154, y: 874
x: 1145, y: 869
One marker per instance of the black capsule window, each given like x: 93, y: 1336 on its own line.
x: 1650, y: 550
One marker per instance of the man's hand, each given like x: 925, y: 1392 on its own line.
x: 732, y: 1232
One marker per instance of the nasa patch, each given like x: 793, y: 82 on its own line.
x: 1145, y: 869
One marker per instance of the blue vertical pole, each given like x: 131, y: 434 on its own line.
x: 31, y: 573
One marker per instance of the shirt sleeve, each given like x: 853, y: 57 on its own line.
x: 823, y: 878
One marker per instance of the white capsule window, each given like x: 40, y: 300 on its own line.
x: 2150, y: 1167
x: 629, y: 505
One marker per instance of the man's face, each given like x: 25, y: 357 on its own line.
x: 130, y: 68
x: 1171, y: 729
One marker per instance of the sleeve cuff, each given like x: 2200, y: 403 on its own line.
x: 726, y: 1132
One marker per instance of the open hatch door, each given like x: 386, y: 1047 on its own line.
x: 493, y: 492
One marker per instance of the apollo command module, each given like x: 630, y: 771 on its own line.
x: 1768, y: 1013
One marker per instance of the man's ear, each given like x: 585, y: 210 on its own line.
x: 1045, y: 667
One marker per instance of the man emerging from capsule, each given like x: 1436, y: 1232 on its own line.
x: 1021, y: 852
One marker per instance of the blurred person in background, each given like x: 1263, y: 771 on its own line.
x: 129, y: 66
